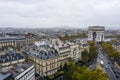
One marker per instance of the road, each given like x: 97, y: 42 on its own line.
x: 108, y: 66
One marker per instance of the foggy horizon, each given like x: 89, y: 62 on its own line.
x: 52, y: 13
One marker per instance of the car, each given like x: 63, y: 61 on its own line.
x: 115, y: 72
x: 106, y: 66
x: 102, y: 57
x: 108, y: 63
x: 104, y: 70
x: 118, y: 73
x: 117, y: 76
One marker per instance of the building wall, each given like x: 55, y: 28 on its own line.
x: 46, y: 67
x: 8, y: 64
x: 64, y: 54
x: 15, y: 43
x: 28, y: 74
x: 75, y: 52
x: 116, y: 47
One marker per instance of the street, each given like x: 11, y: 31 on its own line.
x: 108, y: 66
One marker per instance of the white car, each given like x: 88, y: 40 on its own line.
x: 106, y: 66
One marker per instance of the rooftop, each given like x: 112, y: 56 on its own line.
x: 41, y: 43
x: 117, y: 43
x: 96, y: 28
x: 4, y: 75
x: 10, y: 56
x: 84, y: 45
x: 19, y: 68
x: 15, y: 70
x: 43, y: 51
x: 12, y: 38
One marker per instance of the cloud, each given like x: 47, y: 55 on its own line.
x: 47, y: 13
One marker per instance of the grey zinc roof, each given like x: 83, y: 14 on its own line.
x: 43, y: 54
x: 84, y: 45
x: 12, y: 38
x: 10, y: 57
x: 116, y: 43
x: 4, y: 75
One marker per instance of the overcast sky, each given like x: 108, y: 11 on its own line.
x: 52, y: 13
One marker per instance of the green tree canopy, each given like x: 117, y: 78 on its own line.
x: 75, y: 72
x: 110, y: 50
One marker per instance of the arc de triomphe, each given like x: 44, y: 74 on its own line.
x: 96, y: 33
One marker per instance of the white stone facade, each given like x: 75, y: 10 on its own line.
x: 96, y: 33
x: 45, y: 57
x: 28, y: 74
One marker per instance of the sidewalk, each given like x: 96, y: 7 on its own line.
x: 117, y: 65
x: 99, y: 66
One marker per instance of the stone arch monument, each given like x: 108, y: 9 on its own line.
x: 96, y: 33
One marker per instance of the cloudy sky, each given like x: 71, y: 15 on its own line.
x: 52, y: 13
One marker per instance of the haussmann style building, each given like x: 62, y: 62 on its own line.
x: 46, y: 58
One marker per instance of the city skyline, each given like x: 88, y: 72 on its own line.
x: 52, y: 13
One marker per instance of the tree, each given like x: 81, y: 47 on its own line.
x: 84, y: 53
x: 91, y: 43
x: 72, y: 37
x: 65, y: 66
x: 82, y: 73
x: 86, y: 59
x: 92, y: 53
x: 110, y: 50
